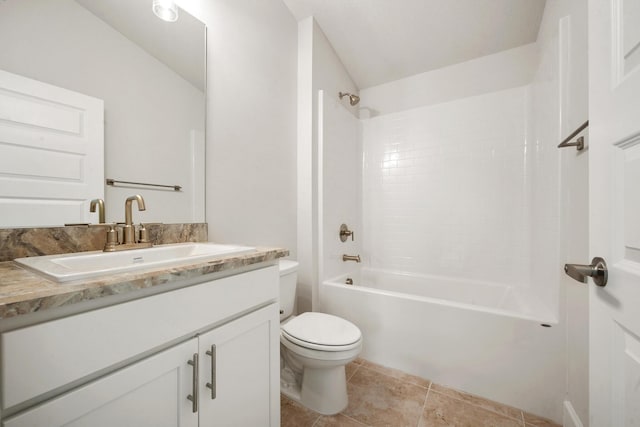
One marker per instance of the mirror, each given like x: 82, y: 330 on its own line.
x: 150, y: 75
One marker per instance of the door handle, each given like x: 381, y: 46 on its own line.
x: 596, y: 270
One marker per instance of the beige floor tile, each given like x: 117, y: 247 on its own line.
x: 397, y: 374
x: 293, y: 414
x: 499, y: 408
x: 380, y: 400
x: 442, y: 410
x: 351, y: 369
x: 536, y: 421
x: 337, y: 421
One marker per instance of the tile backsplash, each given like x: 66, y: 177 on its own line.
x: 24, y: 242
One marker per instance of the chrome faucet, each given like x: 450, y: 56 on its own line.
x: 100, y: 204
x: 128, y: 230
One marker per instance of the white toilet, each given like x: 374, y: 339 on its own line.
x: 314, y: 349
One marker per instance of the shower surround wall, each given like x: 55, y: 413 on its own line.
x: 445, y: 189
x: 473, y: 146
x: 340, y: 179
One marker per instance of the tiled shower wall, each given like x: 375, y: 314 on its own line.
x: 445, y: 189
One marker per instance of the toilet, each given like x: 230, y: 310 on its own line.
x: 314, y: 350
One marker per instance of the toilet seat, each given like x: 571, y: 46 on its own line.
x: 323, y: 332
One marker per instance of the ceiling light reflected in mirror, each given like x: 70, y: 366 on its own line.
x: 165, y: 10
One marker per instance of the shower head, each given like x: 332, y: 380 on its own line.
x: 353, y: 99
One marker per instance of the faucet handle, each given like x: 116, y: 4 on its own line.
x: 345, y: 233
x: 112, y: 236
x: 143, y: 234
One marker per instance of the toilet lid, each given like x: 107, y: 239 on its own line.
x: 322, y: 329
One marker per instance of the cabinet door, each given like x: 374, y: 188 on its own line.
x: 150, y: 393
x: 241, y: 360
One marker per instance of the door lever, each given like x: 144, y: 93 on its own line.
x: 597, y: 270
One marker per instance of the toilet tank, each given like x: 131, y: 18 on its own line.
x: 288, y: 281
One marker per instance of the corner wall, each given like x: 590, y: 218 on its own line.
x: 251, y: 121
x: 319, y: 68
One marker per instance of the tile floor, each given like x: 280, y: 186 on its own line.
x: 380, y: 396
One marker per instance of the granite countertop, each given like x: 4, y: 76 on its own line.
x: 23, y: 292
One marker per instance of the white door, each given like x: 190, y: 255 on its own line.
x: 150, y: 393
x: 614, y: 192
x: 51, y: 153
x: 241, y: 362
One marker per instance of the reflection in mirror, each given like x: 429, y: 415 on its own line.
x: 150, y: 75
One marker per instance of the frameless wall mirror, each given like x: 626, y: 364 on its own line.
x: 149, y: 73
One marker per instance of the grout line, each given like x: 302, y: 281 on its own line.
x: 483, y: 407
x: 424, y: 404
x: 316, y: 421
x: 354, y: 372
x: 353, y: 419
x: 396, y: 378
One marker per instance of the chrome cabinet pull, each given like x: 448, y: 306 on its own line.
x: 596, y: 270
x: 194, y: 397
x: 212, y: 384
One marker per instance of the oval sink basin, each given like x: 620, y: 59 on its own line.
x: 88, y: 265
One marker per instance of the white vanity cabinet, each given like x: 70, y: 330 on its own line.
x: 203, y: 355
x: 149, y: 393
x: 236, y: 360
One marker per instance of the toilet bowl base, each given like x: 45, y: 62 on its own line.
x: 322, y: 390
x: 291, y: 391
x: 325, y: 390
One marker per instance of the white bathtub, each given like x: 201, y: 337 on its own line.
x: 482, y: 338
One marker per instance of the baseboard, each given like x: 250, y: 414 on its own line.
x: 569, y: 416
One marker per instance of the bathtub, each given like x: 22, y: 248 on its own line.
x: 483, y: 338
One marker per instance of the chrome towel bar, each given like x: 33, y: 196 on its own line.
x: 578, y: 143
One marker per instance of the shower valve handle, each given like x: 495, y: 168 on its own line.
x: 597, y: 270
x: 345, y: 233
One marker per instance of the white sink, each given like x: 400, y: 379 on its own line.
x: 87, y: 265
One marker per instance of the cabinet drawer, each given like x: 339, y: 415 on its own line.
x: 44, y: 357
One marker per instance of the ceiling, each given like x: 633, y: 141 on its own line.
x: 380, y: 41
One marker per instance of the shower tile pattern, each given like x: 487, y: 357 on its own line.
x: 383, y: 397
x: 445, y: 189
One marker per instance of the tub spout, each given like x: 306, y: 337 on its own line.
x: 355, y: 258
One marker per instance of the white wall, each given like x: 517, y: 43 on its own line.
x: 509, y: 69
x: 339, y: 145
x: 150, y: 111
x: 445, y: 189
x: 560, y: 104
x: 319, y: 68
x: 251, y: 121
